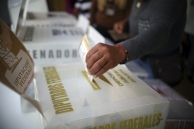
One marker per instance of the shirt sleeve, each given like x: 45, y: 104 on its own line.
x: 164, y: 16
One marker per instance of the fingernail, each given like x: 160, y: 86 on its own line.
x: 94, y: 76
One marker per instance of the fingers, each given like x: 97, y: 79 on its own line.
x: 102, y: 70
x: 103, y: 57
x: 97, y: 66
x: 91, y: 52
x: 95, y: 58
x: 94, y: 55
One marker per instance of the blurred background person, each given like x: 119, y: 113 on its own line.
x: 105, y: 13
x: 69, y: 6
x: 82, y: 7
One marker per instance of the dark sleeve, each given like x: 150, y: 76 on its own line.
x: 93, y: 11
x: 161, y: 22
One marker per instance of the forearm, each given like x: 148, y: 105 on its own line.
x: 146, y: 42
x: 158, y: 32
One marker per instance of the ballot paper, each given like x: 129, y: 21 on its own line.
x: 83, y: 50
x: 55, y: 18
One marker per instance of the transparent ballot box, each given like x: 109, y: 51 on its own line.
x: 117, y: 99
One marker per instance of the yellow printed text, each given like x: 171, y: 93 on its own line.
x: 120, y: 76
x: 114, y: 78
x: 58, y: 94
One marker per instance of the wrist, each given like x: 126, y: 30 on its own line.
x: 123, y: 54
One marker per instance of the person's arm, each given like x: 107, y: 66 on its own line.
x: 160, y: 25
x: 158, y: 32
x: 93, y: 11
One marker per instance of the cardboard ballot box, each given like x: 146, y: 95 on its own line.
x: 54, y: 44
x: 48, y: 45
x: 59, y: 48
x: 50, y: 19
x: 51, y: 44
x: 181, y: 113
x: 118, y: 99
x: 39, y: 18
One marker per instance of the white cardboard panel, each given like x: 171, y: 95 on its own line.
x: 83, y: 23
x: 95, y: 35
x: 12, y: 116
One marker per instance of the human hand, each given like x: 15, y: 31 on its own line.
x: 118, y: 26
x: 103, y: 57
